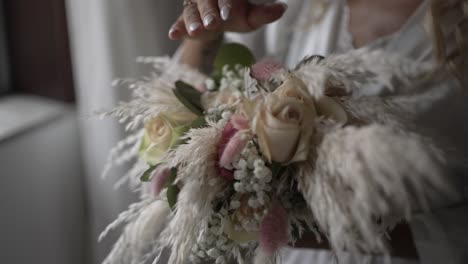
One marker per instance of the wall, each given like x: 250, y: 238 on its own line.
x: 42, y: 209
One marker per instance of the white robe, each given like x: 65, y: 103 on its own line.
x: 441, y: 236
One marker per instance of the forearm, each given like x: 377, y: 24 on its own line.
x: 200, y: 53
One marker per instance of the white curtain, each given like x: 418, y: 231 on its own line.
x: 106, y: 36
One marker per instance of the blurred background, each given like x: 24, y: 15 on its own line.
x: 58, y: 59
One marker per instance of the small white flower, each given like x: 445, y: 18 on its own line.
x: 259, y: 163
x: 239, y: 187
x: 210, y: 84
x: 257, y: 187
x: 213, y: 252
x: 234, y: 205
x: 226, y: 115
x: 223, y: 212
x: 220, y: 260
x: 239, y: 174
x: 219, y: 244
x: 215, y: 230
x: 258, y: 216
x: 242, y: 164
x: 195, y: 248
x: 194, y: 259
x: 261, y: 200
x: 201, y: 254
x: 253, y: 203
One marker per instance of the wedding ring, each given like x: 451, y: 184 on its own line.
x: 188, y: 2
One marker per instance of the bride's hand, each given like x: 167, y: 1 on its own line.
x: 207, y: 18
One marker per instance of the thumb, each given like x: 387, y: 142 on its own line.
x: 260, y: 15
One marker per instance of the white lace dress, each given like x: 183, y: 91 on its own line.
x: 440, y: 237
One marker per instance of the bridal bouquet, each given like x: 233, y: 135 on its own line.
x: 236, y: 165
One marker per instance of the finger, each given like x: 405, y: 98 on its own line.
x: 177, y: 30
x: 260, y: 15
x: 225, y: 8
x: 192, y: 20
x: 208, y: 10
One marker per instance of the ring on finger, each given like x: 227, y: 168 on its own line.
x: 188, y: 3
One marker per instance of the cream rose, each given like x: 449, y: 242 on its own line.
x: 284, y: 122
x: 162, y: 132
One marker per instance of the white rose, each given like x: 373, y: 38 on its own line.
x: 284, y: 123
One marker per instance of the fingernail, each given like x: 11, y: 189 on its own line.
x: 225, y: 12
x: 194, y: 26
x: 173, y: 32
x: 285, y: 6
x: 208, y: 20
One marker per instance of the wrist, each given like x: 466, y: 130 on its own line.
x: 200, y: 53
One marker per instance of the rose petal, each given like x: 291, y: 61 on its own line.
x: 328, y: 107
x: 274, y: 230
x: 159, y: 180
x: 228, y: 132
x: 282, y: 143
x: 240, y: 122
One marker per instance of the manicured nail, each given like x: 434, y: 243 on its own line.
x: 194, y: 26
x: 225, y: 12
x: 285, y: 6
x: 208, y: 20
x: 282, y: 4
x: 173, y: 32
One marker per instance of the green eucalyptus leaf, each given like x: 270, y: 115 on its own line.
x: 172, y: 189
x: 233, y: 54
x: 177, y: 134
x: 198, y: 123
x: 277, y: 169
x: 189, y: 97
x: 172, y: 177
x: 146, y: 176
x: 172, y: 193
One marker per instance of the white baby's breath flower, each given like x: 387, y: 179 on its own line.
x: 210, y: 84
x: 214, y: 252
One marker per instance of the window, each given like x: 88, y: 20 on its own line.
x: 4, y: 69
x: 36, y: 40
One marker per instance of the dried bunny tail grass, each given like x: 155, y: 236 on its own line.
x: 397, y: 111
x: 447, y: 22
x: 196, y: 163
x: 124, y: 151
x: 204, y: 142
x: 361, y: 173
x: 132, y: 177
x: 192, y: 214
x: 171, y: 70
x: 153, y: 95
x: 147, y: 104
x: 138, y: 244
x: 353, y: 70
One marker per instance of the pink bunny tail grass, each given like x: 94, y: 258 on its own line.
x: 226, y: 174
x: 239, y: 122
x: 264, y: 69
x: 159, y: 180
x: 228, y: 132
x: 274, y: 230
x: 233, y: 149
